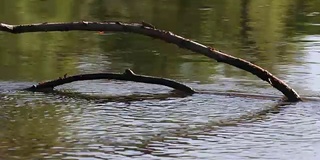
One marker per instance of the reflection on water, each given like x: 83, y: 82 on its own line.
x: 149, y: 122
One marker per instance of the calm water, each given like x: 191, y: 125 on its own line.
x: 282, y: 36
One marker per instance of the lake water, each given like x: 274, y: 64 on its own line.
x: 103, y: 121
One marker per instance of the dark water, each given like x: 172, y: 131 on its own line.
x: 282, y: 36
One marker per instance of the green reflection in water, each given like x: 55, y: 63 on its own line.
x: 29, y: 128
x: 39, y: 56
x: 254, y: 30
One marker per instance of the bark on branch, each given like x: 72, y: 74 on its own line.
x: 128, y: 75
x: 149, y: 30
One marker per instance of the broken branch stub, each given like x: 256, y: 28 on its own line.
x: 151, y: 31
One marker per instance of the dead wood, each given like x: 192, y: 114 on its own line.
x: 151, y: 31
x: 128, y: 75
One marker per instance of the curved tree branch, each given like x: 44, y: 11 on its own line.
x: 128, y: 75
x: 149, y: 30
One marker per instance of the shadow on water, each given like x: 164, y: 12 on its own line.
x: 142, y: 141
x: 50, y: 109
x: 124, y: 98
x: 191, y: 132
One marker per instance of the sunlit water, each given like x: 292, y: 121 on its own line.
x: 157, y: 124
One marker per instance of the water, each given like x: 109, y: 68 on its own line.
x: 125, y: 120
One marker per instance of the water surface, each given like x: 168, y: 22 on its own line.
x: 281, y: 36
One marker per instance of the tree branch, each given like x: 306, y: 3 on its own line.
x: 128, y: 75
x: 149, y: 30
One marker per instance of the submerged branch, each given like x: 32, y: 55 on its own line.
x: 128, y: 75
x: 118, y: 98
x: 149, y: 30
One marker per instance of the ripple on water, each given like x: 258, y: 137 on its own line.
x: 147, y: 128
x: 194, y: 127
x: 291, y: 134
